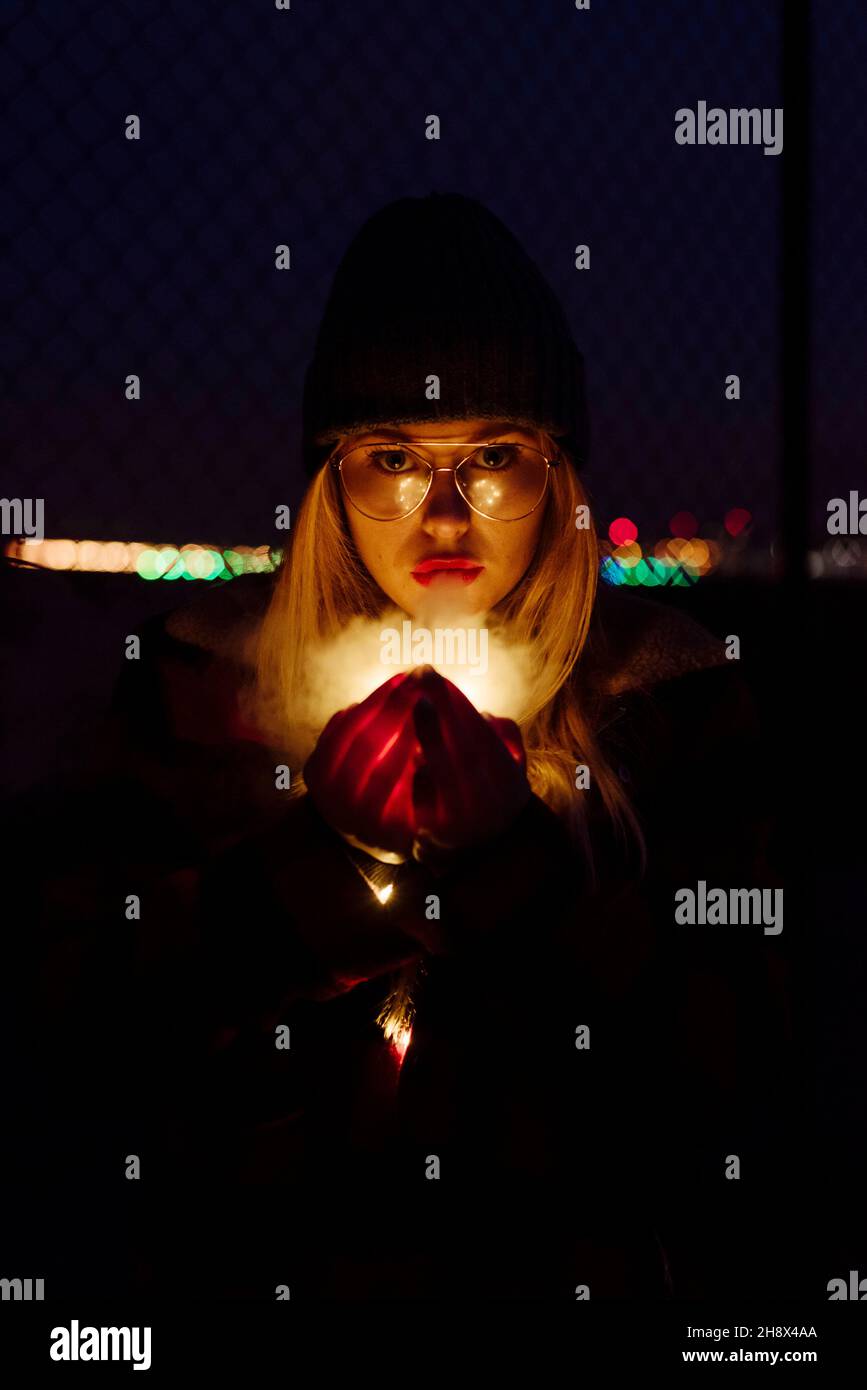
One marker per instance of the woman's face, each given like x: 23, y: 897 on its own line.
x: 444, y: 526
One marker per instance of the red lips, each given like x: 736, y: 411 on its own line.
x: 463, y: 568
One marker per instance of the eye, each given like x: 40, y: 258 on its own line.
x: 392, y: 460
x: 495, y: 457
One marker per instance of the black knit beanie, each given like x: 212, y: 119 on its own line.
x: 438, y: 286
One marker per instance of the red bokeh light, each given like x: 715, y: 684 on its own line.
x: 736, y: 520
x: 622, y: 531
x: 683, y: 524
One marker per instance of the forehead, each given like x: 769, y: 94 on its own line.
x: 457, y: 431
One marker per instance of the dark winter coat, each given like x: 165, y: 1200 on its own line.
x: 499, y: 1159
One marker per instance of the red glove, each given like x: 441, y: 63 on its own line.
x: 415, y: 768
x: 359, y: 775
x: 472, y: 782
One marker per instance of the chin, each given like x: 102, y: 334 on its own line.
x: 467, y: 604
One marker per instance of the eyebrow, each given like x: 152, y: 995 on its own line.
x: 486, y: 428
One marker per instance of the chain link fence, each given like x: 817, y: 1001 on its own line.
x: 261, y: 127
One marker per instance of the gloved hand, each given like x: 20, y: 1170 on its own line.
x: 415, y: 768
x: 471, y: 782
x: 359, y: 775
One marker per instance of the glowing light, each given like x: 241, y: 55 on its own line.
x: 88, y: 555
x: 347, y: 668
x: 680, y: 559
x: 401, y: 1041
x: 201, y: 562
x: 699, y: 555
x: 147, y: 565
x: 736, y: 520
x: 662, y: 553
x: 683, y: 524
x: 396, y: 1016
x: 59, y: 555
x: 661, y: 568
x: 381, y: 891
x: 628, y: 554
x: 170, y: 563
x: 115, y: 557
x: 611, y: 571
x: 398, y: 1032
x: 622, y: 531
x: 192, y: 562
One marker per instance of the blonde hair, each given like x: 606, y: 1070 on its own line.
x: 323, y: 584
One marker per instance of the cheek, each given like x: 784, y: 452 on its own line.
x: 378, y: 545
x: 514, y: 546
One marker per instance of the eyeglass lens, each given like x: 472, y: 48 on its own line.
x: 502, y: 481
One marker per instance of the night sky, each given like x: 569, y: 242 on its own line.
x: 262, y: 127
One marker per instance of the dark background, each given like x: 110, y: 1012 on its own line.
x: 262, y: 127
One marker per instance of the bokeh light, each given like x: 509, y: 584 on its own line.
x: 191, y: 562
x: 737, y: 520
x: 622, y: 531
x: 683, y: 524
x: 59, y: 555
x: 628, y: 555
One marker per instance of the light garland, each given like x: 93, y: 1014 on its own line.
x: 396, y: 1015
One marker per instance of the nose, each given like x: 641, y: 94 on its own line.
x: 445, y: 513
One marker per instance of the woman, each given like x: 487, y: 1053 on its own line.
x: 427, y: 1027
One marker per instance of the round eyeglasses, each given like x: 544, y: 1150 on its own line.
x: 388, y: 481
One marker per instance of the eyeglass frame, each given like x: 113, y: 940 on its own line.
x: 444, y: 444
